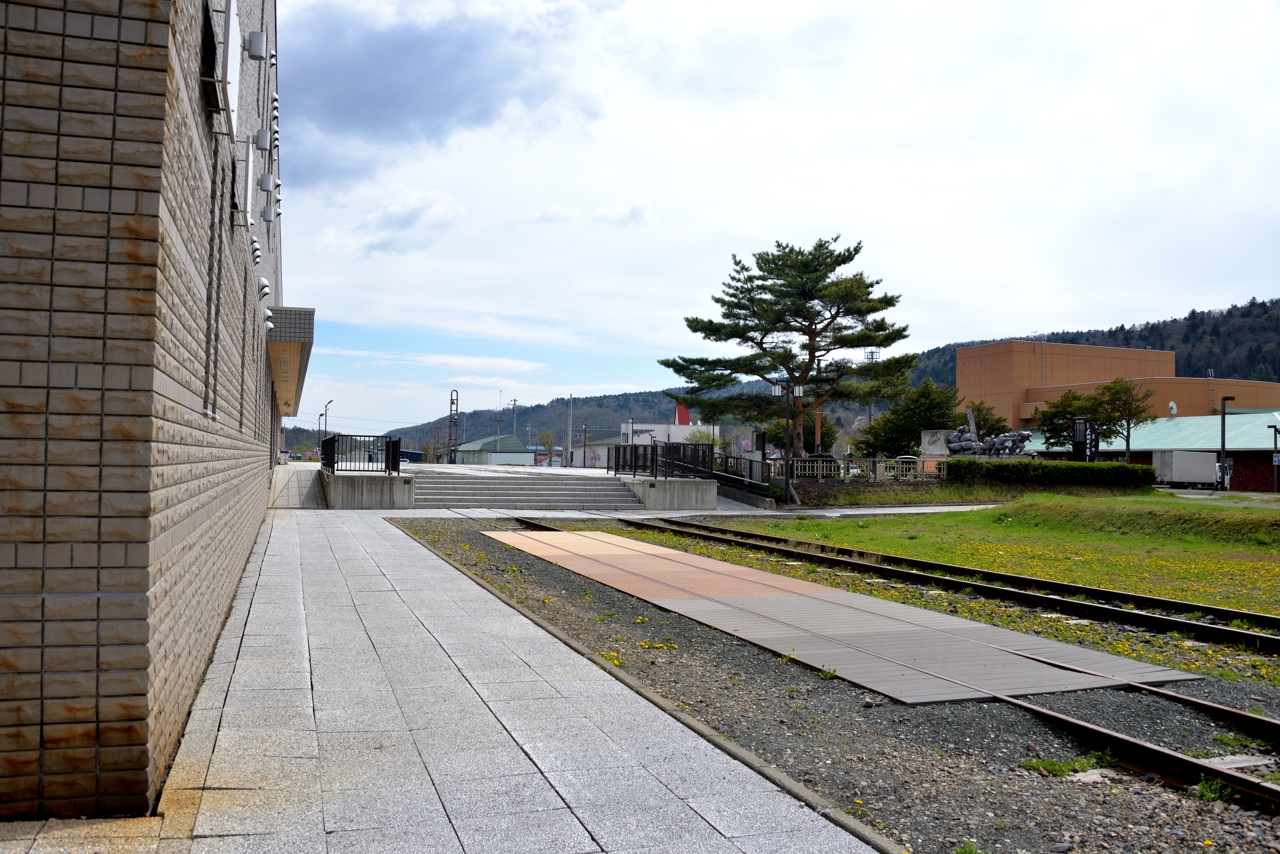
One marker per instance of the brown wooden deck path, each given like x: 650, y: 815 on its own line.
x: 905, y: 653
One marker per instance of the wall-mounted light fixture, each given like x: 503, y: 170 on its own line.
x: 256, y: 44
x: 269, y: 326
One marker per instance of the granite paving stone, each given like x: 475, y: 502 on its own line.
x: 366, y: 696
x: 549, y: 831
x: 365, y: 809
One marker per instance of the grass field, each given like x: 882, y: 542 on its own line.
x: 1190, y: 549
x: 835, y: 493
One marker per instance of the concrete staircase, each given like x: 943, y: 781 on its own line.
x: 522, y: 492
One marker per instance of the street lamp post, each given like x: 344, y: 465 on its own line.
x: 817, y: 415
x: 1275, y: 454
x: 786, y: 389
x: 584, y: 445
x: 631, y: 431
x: 1222, y: 468
x: 326, y: 418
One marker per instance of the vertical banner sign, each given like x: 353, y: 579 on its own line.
x: 1084, y: 447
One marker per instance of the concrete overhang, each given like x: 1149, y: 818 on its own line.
x: 289, y: 351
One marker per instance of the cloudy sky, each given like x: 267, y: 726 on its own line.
x: 526, y: 198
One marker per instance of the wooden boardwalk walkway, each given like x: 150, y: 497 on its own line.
x: 910, y: 654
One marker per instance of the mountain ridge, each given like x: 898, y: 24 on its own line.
x: 1239, y: 342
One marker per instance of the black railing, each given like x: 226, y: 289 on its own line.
x: 662, y: 459
x: 744, y: 473
x: 680, y: 459
x: 340, y: 452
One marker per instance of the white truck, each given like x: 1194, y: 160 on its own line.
x: 1186, y: 468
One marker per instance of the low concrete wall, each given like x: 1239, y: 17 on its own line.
x: 364, y: 491
x: 744, y: 497
x: 674, y: 493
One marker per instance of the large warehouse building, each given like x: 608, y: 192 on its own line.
x: 141, y: 382
x: 1015, y: 377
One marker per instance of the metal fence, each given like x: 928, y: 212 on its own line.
x: 341, y: 452
x: 866, y: 470
x: 675, y: 459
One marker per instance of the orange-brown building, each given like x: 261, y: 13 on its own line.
x: 1015, y: 377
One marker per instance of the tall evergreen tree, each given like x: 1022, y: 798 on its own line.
x: 795, y: 310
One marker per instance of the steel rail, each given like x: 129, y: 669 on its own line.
x: 1130, y: 752
x: 1261, y: 642
x: 1267, y: 729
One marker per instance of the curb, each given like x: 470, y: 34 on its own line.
x: 823, y: 807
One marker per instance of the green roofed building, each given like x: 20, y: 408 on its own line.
x: 495, y: 451
x: 1249, y: 444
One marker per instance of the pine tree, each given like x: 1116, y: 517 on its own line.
x: 797, y: 316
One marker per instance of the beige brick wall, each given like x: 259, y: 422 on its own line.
x: 135, y: 408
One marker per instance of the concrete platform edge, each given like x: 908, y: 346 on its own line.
x: 797, y: 790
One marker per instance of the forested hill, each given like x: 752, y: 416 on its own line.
x: 1240, y: 342
x: 600, y: 411
x: 605, y: 411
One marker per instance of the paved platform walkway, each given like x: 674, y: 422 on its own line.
x: 366, y: 696
x: 911, y: 654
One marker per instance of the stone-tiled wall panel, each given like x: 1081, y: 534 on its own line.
x: 135, y: 428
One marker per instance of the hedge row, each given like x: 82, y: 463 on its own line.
x: 1048, y: 472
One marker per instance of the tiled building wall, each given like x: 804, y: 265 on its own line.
x: 135, y: 410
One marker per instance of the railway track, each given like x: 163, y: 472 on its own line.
x: 1078, y: 600
x: 1135, y: 754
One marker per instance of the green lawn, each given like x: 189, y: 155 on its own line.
x: 1191, y: 549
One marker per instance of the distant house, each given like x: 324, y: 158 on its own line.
x: 494, y: 451
x: 644, y: 434
x: 598, y: 450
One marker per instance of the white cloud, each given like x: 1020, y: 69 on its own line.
x: 635, y: 214
x: 437, y: 360
x: 1008, y: 166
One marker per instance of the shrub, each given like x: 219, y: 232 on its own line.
x: 1049, y: 472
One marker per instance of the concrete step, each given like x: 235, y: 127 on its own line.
x: 532, y: 505
x: 542, y: 493
x: 567, y: 483
x: 529, y: 492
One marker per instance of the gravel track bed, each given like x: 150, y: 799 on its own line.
x: 927, y: 776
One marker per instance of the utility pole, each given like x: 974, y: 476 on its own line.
x: 565, y: 451
x: 584, y: 444
x: 514, y: 431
